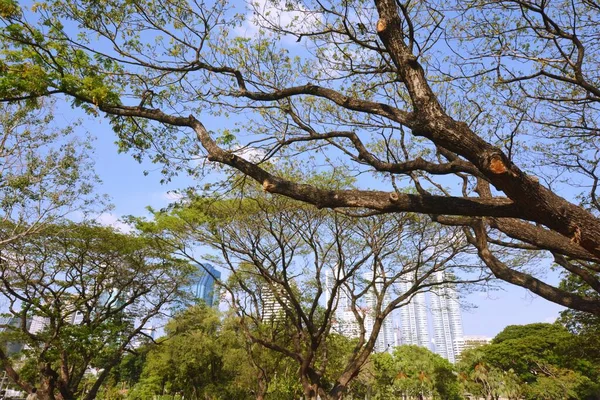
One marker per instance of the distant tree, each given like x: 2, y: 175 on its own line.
x: 189, y: 360
x: 536, y: 361
x: 482, y: 379
x: 203, y: 356
x: 82, y: 294
x: 289, y: 267
x: 413, y: 372
x: 127, y: 373
x: 585, y: 326
x: 524, y: 348
x: 557, y: 383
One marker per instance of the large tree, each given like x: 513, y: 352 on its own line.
x: 536, y: 361
x: 78, y: 297
x: 480, y: 114
x: 297, y: 276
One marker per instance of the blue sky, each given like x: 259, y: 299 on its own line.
x: 131, y: 192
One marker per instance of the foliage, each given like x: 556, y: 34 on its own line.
x: 45, y: 172
x: 80, y: 294
x: 414, y: 372
x: 481, y: 115
x: 537, y: 361
x: 203, y: 356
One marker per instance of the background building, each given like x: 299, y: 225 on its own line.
x: 447, y: 319
x: 204, y: 287
x: 385, y: 338
x: 9, y: 324
x: 473, y: 341
x: 414, y: 326
x: 344, y: 321
x: 272, y: 306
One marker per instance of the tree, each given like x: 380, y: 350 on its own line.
x: 413, y: 372
x: 585, y: 326
x: 533, y: 361
x: 481, y: 115
x: 45, y: 173
x: 203, y: 356
x: 190, y: 360
x: 296, y: 275
x: 81, y: 295
x: 525, y: 348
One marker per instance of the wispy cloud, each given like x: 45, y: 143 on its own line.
x: 172, y: 196
x: 291, y: 16
x: 109, y: 219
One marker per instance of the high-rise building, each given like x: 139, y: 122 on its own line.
x: 203, y: 287
x: 69, y: 313
x: 344, y: 321
x: 413, y: 318
x: 38, y: 324
x: 447, y: 320
x: 385, y: 338
x: 272, y: 305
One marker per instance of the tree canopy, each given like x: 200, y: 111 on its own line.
x: 535, y: 361
x: 481, y: 115
x: 296, y: 274
x: 79, y: 296
x: 45, y: 170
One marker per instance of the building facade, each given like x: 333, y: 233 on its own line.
x: 472, y: 341
x: 344, y: 321
x: 447, y: 319
x: 414, y: 326
x: 385, y: 338
x: 204, y: 287
x: 273, y: 305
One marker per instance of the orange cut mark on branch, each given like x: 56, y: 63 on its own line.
x: 576, y: 236
x: 497, y: 166
x: 268, y: 186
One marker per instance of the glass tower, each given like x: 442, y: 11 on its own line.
x: 203, y: 287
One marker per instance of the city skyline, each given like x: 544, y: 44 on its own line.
x: 413, y: 318
x: 432, y: 320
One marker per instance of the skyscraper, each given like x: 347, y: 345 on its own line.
x: 203, y: 287
x: 447, y: 320
x: 385, y: 338
x: 413, y: 318
x: 272, y: 305
x: 344, y: 321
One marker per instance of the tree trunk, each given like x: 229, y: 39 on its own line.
x: 311, y: 390
x: 262, y: 385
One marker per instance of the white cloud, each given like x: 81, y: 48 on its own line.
x: 251, y: 154
x: 109, y: 219
x: 279, y: 13
x: 172, y: 196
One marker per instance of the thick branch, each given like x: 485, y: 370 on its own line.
x: 542, y: 289
x: 431, y: 121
